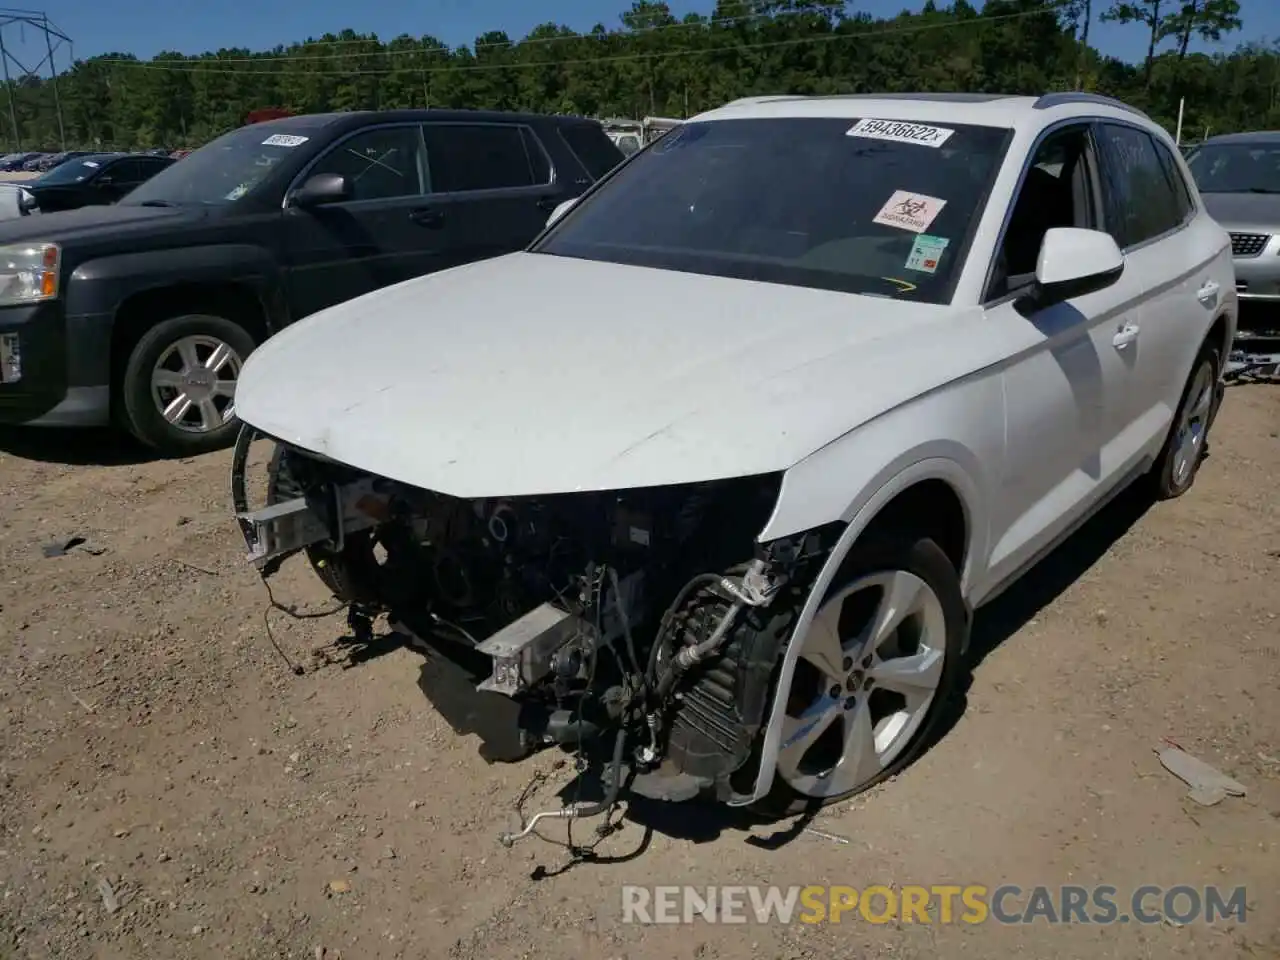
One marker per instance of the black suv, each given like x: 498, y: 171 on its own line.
x: 144, y: 311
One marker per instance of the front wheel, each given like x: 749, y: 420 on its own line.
x: 178, y: 388
x: 876, y: 666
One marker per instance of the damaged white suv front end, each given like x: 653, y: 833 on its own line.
x: 727, y: 537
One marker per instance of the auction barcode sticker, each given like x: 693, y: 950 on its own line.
x: 284, y: 140
x: 899, y: 131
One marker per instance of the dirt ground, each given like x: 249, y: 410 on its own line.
x: 170, y: 789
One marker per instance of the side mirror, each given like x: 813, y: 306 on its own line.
x: 1074, y: 262
x: 321, y: 189
x: 561, y: 209
x: 106, y: 180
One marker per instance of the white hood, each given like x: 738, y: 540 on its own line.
x: 533, y: 374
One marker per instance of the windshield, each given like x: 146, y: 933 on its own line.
x: 867, y: 206
x: 225, y: 169
x: 1237, y: 168
x: 72, y: 171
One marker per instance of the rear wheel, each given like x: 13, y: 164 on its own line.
x: 1175, y: 470
x: 178, y: 389
x: 876, y: 666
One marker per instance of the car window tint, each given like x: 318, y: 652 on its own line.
x: 537, y: 154
x: 381, y: 163
x: 593, y: 148
x: 1236, y: 167
x: 125, y: 171
x: 464, y: 157
x: 1142, y: 201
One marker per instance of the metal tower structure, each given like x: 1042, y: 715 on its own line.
x: 54, y: 39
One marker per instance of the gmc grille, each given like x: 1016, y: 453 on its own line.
x: 1248, y: 244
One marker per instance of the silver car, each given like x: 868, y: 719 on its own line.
x: 1239, y: 177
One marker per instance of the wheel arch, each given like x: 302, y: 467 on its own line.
x: 141, y: 311
x: 936, y: 494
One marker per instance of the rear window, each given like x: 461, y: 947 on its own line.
x: 872, y: 206
x: 592, y: 146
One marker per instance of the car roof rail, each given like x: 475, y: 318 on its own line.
x: 765, y: 98
x: 1062, y: 97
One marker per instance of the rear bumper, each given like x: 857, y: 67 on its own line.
x: 56, y: 369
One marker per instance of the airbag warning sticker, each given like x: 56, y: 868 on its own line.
x: 909, y: 211
x: 898, y: 131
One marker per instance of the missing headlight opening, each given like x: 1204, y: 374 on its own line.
x: 643, y: 627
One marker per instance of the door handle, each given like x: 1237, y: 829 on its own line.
x: 1208, y: 294
x: 429, y: 217
x: 1127, y: 333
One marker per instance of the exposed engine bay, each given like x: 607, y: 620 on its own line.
x: 647, y: 618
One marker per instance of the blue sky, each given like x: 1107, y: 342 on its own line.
x: 145, y: 27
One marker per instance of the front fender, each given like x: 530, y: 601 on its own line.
x: 933, y: 468
x: 100, y: 285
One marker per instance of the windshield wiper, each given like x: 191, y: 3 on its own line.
x: 157, y: 203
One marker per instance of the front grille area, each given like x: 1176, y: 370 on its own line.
x: 1248, y: 244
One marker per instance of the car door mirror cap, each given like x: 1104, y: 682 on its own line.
x: 561, y: 209
x: 1074, y: 262
x: 322, y: 189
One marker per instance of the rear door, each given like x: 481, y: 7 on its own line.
x: 1174, y: 252
x: 116, y: 178
x: 388, y: 232
x: 493, y: 185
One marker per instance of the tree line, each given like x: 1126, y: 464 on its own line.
x: 657, y: 64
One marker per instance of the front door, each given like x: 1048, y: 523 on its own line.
x: 390, y: 230
x: 1070, y: 367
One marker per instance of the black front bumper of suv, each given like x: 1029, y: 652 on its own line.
x: 62, y: 368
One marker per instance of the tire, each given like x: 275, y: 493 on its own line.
x: 884, y: 557
x: 1176, y: 468
x: 163, y: 351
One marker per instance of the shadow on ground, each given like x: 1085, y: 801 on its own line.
x: 450, y: 672
x: 81, y: 447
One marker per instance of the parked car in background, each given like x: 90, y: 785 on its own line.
x: 32, y: 165
x: 146, y: 309
x: 17, y: 161
x: 1238, y: 175
x: 54, y: 159
x: 95, y: 179
x: 179, y: 154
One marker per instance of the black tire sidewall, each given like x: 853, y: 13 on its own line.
x: 922, y: 557
x: 140, y: 415
x: 1165, y: 488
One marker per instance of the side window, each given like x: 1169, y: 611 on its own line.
x: 593, y: 148
x: 464, y: 157
x: 124, y: 171
x: 1057, y: 191
x: 381, y: 163
x: 1142, y: 202
x: 539, y: 165
x: 1182, y: 192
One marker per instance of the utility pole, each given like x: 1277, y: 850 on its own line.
x: 8, y: 87
x: 53, y: 69
x: 53, y: 40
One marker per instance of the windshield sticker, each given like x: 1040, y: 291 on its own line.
x: 897, y: 131
x: 909, y: 211
x: 91, y: 163
x: 238, y: 192
x: 926, y: 252
x: 284, y: 140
